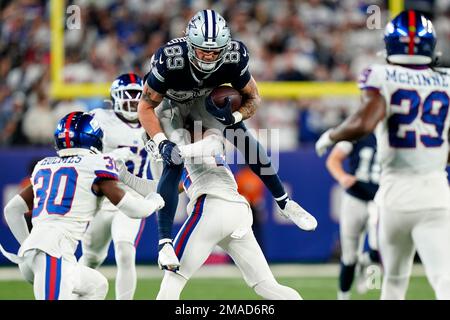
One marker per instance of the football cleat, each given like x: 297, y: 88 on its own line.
x: 343, y: 295
x: 302, y: 218
x: 167, y: 259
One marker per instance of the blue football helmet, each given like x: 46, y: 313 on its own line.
x: 126, y: 92
x: 410, y: 39
x: 78, y: 133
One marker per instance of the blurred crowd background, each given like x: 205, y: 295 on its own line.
x: 288, y: 40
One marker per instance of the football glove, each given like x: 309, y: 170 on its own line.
x: 324, y: 143
x: 170, y: 153
x: 224, y: 114
x: 151, y: 147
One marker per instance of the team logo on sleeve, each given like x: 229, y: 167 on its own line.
x: 364, y: 76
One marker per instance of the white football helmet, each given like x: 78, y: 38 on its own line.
x: 126, y: 92
x: 207, y: 31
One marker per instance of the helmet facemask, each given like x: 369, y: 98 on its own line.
x: 207, y: 32
x: 126, y: 102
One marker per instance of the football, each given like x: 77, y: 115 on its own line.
x: 219, y: 94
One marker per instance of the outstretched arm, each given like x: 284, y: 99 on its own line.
x: 364, y: 121
x: 358, y: 125
x: 335, y: 164
x: 133, y: 207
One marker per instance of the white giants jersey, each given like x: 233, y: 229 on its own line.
x: 211, y: 176
x: 64, y: 201
x: 413, y: 136
x: 412, y: 139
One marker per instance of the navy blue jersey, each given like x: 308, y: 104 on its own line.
x: 364, y: 165
x: 173, y: 75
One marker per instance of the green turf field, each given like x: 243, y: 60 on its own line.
x: 221, y: 288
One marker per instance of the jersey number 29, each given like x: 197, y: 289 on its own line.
x: 434, y: 111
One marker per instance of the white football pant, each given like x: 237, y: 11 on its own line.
x: 215, y: 221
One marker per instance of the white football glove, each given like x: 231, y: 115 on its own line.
x: 151, y: 147
x: 122, y: 168
x: 324, y: 143
x: 123, y: 154
x: 156, y: 199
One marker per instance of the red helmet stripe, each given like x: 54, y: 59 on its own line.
x: 67, y: 128
x: 132, y: 77
x: 411, y: 30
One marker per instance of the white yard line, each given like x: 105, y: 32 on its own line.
x: 219, y: 271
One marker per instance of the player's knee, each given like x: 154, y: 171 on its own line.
x: 272, y: 290
x: 125, y: 254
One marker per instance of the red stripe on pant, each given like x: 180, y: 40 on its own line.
x: 195, y: 216
x: 52, y: 285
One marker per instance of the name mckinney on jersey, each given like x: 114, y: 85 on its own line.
x: 417, y: 79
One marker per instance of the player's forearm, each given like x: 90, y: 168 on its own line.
x: 149, y: 101
x: 353, y: 128
x: 251, y: 99
x: 364, y: 121
x: 148, y: 119
x: 15, y: 211
x: 249, y: 107
x: 335, y: 168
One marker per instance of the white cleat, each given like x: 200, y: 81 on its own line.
x: 302, y: 218
x: 167, y: 259
x: 343, y: 295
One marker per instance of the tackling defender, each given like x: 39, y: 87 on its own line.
x: 122, y: 141
x: 65, y: 195
x: 360, y: 182
x: 219, y: 215
x: 406, y: 102
x: 184, y: 71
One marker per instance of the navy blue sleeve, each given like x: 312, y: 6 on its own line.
x: 158, y: 73
x: 240, y: 53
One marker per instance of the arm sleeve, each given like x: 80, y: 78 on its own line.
x: 140, y: 185
x: 138, y: 208
x: 156, y: 78
x: 15, y: 211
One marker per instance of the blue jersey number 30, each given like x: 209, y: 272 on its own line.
x: 55, y: 192
x: 434, y: 112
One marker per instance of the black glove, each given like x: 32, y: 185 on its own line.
x: 224, y: 114
x: 170, y: 153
